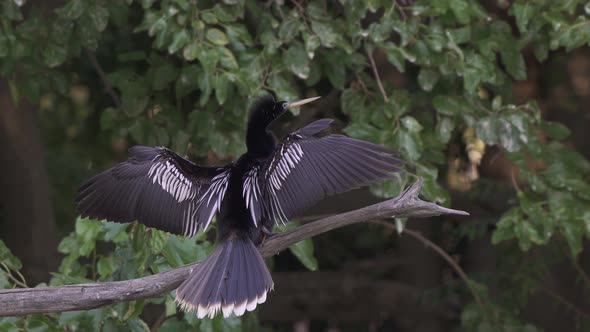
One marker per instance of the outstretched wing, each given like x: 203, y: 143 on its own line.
x: 307, y: 167
x: 158, y: 188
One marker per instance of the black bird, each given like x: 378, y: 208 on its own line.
x: 268, y: 184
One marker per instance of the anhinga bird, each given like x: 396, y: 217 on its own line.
x: 268, y: 184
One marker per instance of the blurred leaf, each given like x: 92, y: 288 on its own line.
x: 54, y: 55
x: 289, y: 29
x: 444, y: 129
x: 411, y: 124
x: 106, y: 266
x: 514, y: 62
x: 221, y: 88
x: 303, y: 250
x: 73, y: 9
x: 180, y: 40
x: 555, y: 130
x: 451, y: 105
x: 217, y: 37
x: 86, y: 231
x: 8, y: 258
x: 99, y: 16
x: 297, y: 60
x: 227, y: 58
x: 428, y: 79
x: 523, y: 12
x: 325, y: 32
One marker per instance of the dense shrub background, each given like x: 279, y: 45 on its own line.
x: 443, y: 81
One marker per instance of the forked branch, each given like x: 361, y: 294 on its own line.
x: 24, y: 301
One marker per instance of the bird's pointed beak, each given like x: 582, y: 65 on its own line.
x: 302, y: 102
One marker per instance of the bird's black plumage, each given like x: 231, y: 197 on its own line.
x: 272, y: 182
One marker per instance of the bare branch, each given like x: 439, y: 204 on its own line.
x: 103, y: 77
x: 441, y: 253
x: 25, y: 301
x: 377, y: 77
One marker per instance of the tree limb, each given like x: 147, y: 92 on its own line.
x: 24, y: 301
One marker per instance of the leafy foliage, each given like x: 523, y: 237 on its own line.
x: 185, y: 71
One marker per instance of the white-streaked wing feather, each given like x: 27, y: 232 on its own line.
x: 157, y: 188
x: 307, y: 167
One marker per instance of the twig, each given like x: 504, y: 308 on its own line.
x: 93, y: 295
x: 159, y: 321
x: 442, y: 254
x: 376, y: 73
x: 581, y: 272
x: 103, y: 77
x: 557, y: 297
x: 22, y: 283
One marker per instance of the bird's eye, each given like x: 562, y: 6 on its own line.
x: 285, y: 106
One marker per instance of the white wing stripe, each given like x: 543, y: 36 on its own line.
x: 169, y: 178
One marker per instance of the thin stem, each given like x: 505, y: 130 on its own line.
x: 377, y: 78
x: 11, y: 277
x: 103, y: 77
x: 442, y: 254
x: 557, y: 297
x: 581, y: 272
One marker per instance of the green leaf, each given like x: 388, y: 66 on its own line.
x: 10, y: 11
x: 444, y: 129
x: 114, y: 232
x: 303, y: 250
x: 162, y: 76
x: 191, y: 50
x: 334, y: 69
x: 106, y: 266
x: 297, y: 60
x: 180, y: 251
x: 451, y: 105
x: 487, y: 129
x: 411, y: 143
x: 325, y: 32
x: 73, y: 9
x: 312, y: 42
x: 99, y: 16
x: 108, y: 118
x: 514, y: 62
x: 134, y: 106
x: 411, y: 124
x: 8, y: 258
x: 181, y: 39
x: 523, y: 12
x: 221, y: 88
x: 352, y: 101
x: 54, y: 55
x: 86, y: 231
x: 217, y: 37
x: 289, y: 29
x: 227, y: 58
x: 157, y: 240
x: 238, y: 33
x: 462, y: 10
x: 427, y: 78
x: 555, y: 130
x: 396, y: 56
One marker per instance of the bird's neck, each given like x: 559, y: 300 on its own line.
x: 259, y: 141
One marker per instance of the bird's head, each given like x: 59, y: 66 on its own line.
x: 267, y: 109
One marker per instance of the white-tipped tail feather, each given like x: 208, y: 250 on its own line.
x: 233, y: 279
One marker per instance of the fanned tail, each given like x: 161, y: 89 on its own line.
x: 233, y: 279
